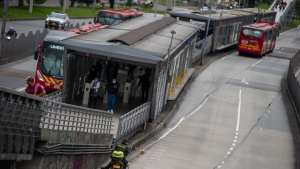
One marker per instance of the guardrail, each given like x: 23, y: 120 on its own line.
x: 61, y: 116
x: 293, y: 84
x: 132, y: 122
x: 272, y: 6
x: 286, y: 17
x: 20, y: 115
x: 23, y: 46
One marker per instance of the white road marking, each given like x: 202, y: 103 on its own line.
x: 239, y: 111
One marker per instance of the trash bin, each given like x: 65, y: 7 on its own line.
x: 86, y: 94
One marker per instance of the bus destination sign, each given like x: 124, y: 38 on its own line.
x: 110, y: 15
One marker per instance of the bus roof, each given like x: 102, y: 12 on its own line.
x: 55, y: 36
x: 262, y: 25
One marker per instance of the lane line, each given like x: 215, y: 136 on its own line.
x: 239, y: 111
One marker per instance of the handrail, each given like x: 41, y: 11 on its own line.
x: 272, y: 6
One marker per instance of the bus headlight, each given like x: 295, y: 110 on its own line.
x: 40, y: 76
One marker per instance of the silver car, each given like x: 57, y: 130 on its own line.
x: 57, y: 20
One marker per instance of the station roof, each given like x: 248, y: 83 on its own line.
x: 150, y: 49
x: 215, y: 16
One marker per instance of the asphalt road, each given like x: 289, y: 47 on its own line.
x: 27, y: 26
x: 233, y: 116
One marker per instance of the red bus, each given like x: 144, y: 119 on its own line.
x: 115, y: 16
x: 258, y: 38
x: 49, y: 69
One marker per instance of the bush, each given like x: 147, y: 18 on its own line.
x: 129, y: 3
x: 61, y: 2
x: 36, y: 2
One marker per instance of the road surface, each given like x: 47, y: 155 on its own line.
x: 232, y: 116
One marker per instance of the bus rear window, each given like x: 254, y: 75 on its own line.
x: 254, y: 34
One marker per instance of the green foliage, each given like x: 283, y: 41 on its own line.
x: 295, y: 23
x: 297, y: 8
x: 163, y: 2
x: 146, y: 6
x: 129, y: 3
x: 21, y: 2
x: 36, y: 2
x: 61, y: 2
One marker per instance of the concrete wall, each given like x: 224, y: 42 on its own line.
x: 77, y: 161
x: 62, y: 136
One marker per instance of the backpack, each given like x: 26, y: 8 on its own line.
x: 36, y: 88
x: 121, y: 147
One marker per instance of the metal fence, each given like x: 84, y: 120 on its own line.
x: 293, y: 83
x: 132, y: 122
x: 286, y: 17
x: 272, y: 6
x: 61, y: 116
x: 20, y: 115
x: 23, y: 46
x: 198, y: 48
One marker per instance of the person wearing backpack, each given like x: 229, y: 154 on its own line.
x: 112, y: 88
x: 33, y: 88
x: 94, y: 92
x: 120, y: 147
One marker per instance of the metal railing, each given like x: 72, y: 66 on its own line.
x: 293, y: 84
x: 61, y: 116
x: 287, y: 14
x: 272, y: 6
x: 132, y: 122
x: 20, y: 115
x: 57, y: 95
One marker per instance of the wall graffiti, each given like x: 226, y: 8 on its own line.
x: 78, y: 160
x: 63, y: 139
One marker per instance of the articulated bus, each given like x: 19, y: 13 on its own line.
x: 49, y: 69
x: 258, y: 38
x: 115, y: 16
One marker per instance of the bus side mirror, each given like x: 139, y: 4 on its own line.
x: 36, y: 55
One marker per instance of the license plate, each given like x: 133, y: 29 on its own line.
x: 249, y: 48
x: 53, y: 24
x: 56, y: 86
x: 47, y: 84
x: 116, y: 166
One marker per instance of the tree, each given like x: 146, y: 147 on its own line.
x: 297, y: 7
x: 21, y: 2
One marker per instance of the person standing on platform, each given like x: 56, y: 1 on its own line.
x: 98, y: 68
x: 108, y: 67
x: 112, y: 88
x: 94, y: 92
x: 92, y: 74
x: 145, y: 81
x: 130, y: 71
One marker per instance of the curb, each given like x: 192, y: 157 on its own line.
x: 165, y: 118
x: 32, y: 19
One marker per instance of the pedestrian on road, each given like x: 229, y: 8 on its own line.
x: 58, y: 11
x: 145, y: 81
x: 102, y: 5
x: 276, y: 5
x: 91, y: 74
x: 112, y: 88
x: 108, y: 66
x: 94, y: 92
x: 33, y: 88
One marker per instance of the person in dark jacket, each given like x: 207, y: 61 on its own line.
x: 115, y: 70
x: 98, y: 68
x: 145, y: 81
x: 130, y: 71
x: 92, y: 74
x: 108, y: 66
x: 112, y: 88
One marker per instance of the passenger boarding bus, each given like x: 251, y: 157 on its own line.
x: 49, y: 69
x: 258, y: 38
x: 111, y: 17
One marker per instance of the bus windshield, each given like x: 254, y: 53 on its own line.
x: 249, y: 33
x: 108, y: 21
x: 109, y: 18
x: 51, y: 62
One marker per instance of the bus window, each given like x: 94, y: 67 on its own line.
x: 266, y: 36
x: 107, y: 18
x: 249, y: 33
x: 270, y: 34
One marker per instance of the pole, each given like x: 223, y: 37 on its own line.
x: 175, y: 3
x: 124, y: 1
x: 94, y: 5
x: 116, y: 4
x: 206, y: 32
x: 258, y: 11
x: 3, y: 26
x: 156, y: 3
x: 170, y: 4
x: 64, y: 6
x: 30, y: 6
x: 67, y: 5
x: 166, y: 8
x: 202, y: 4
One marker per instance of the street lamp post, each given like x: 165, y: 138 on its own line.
x: 258, y: 11
x: 3, y: 27
x: 206, y: 32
